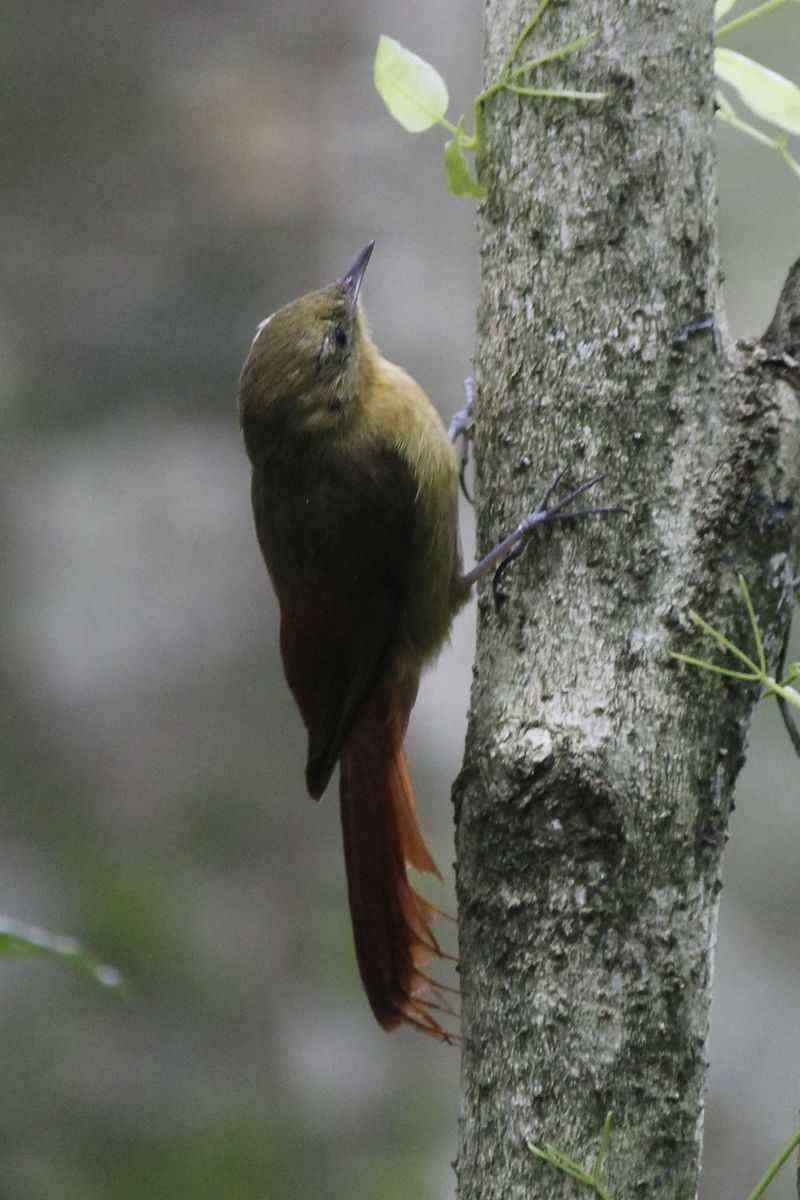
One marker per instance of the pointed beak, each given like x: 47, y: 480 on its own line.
x: 351, y: 282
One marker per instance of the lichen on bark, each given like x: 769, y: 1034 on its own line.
x: 593, y: 803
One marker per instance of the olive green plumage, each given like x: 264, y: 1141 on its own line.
x: 354, y: 489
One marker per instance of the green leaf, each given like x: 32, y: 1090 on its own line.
x: 769, y: 94
x: 26, y: 941
x: 413, y: 90
x: 456, y: 171
x: 721, y: 7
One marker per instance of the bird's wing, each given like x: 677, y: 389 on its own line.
x: 339, y: 620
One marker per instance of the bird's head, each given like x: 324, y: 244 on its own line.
x: 308, y: 362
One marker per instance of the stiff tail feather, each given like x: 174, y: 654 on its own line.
x: 391, y: 921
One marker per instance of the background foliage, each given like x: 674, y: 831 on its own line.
x: 172, y: 173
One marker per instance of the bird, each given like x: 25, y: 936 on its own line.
x: 354, y: 492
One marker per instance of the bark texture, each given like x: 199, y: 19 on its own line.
x: 593, y: 804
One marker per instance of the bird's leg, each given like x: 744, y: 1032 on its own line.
x: 512, y: 546
x: 460, y: 433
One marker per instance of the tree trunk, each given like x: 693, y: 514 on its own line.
x: 593, y: 804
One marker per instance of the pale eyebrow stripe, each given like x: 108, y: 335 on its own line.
x: 262, y: 325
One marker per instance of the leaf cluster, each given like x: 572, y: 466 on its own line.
x: 755, y: 670
x: 771, y: 96
x: 417, y: 96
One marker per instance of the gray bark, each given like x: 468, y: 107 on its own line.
x: 593, y: 804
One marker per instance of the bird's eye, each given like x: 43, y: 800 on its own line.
x: 340, y: 337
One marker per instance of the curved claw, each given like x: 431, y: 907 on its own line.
x: 500, y: 572
x: 460, y: 431
x: 462, y: 482
x: 513, y: 545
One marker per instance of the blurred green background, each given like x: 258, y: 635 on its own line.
x: 174, y: 171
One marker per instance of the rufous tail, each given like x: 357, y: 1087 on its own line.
x: 391, y: 921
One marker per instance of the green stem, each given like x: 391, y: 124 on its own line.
x: 603, y: 1147
x: 775, y: 1166
x: 791, y: 163
x: 477, y: 109
x: 562, y: 1162
x: 445, y: 124
x: 743, y: 127
x: 525, y: 33
x: 556, y: 93
x: 762, y: 659
x: 559, y: 52
x: 507, y: 75
x: 789, y: 694
x: 726, y: 644
x: 748, y: 16
x: 705, y: 665
x: 726, y: 113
